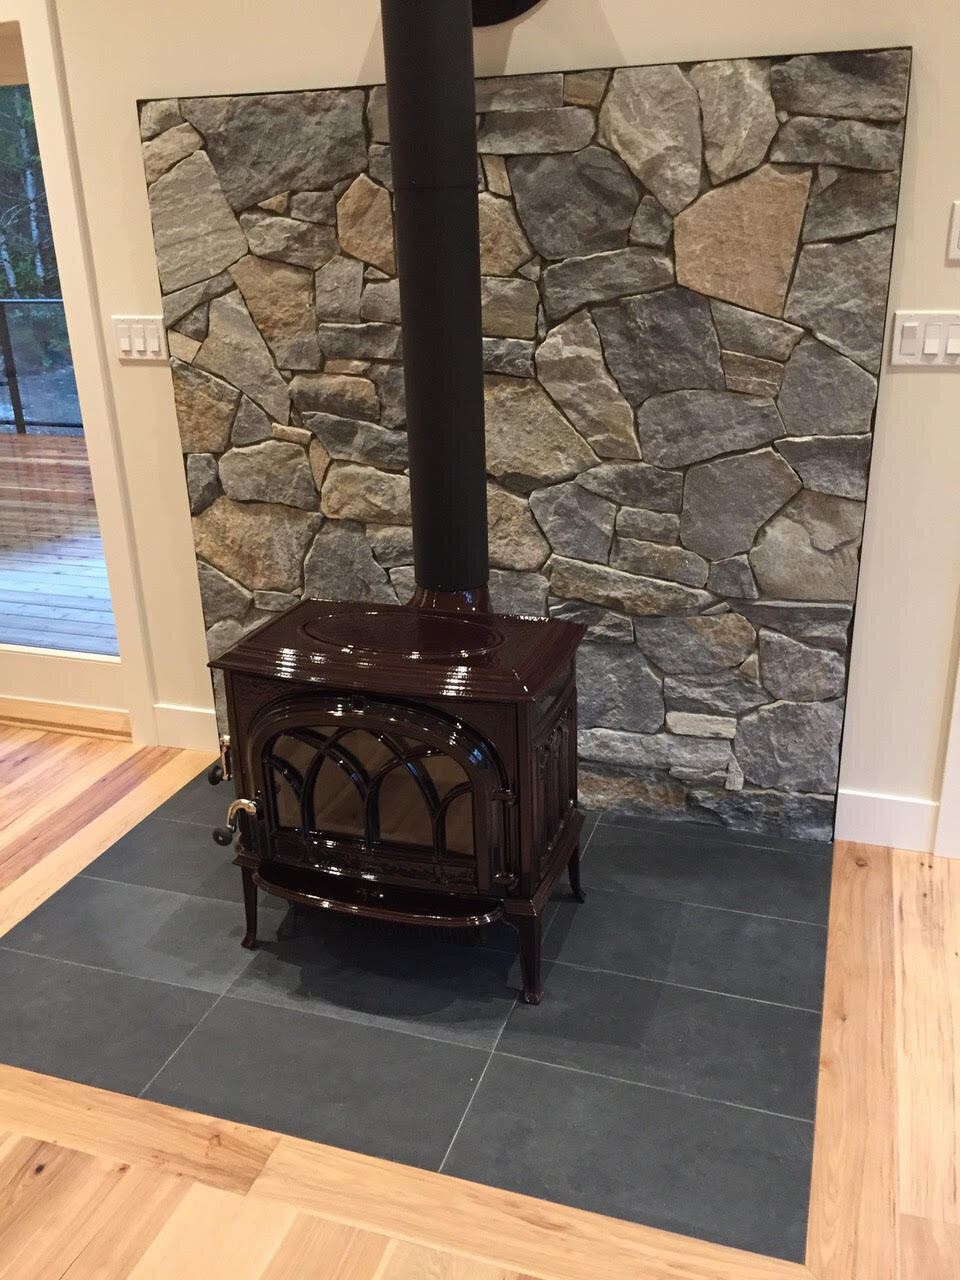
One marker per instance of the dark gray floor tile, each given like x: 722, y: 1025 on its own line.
x: 707, y: 947
x: 104, y: 1029
x: 180, y: 856
x: 741, y: 1051
x: 715, y: 831
x: 792, y: 886
x: 149, y: 933
x: 198, y: 802
x: 703, y: 1169
x: 386, y: 1094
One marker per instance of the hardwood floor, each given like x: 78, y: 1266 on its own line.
x: 94, y: 1184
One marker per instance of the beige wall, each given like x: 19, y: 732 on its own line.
x: 905, y: 647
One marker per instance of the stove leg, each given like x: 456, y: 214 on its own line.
x: 250, y: 907
x: 573, y: 869
x: 529, y: 930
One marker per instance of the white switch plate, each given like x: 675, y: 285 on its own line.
x: 140, y: 338
x: 930, y: 339
x: 953, y: 246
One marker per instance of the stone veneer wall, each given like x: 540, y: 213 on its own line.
x: 685, y: 277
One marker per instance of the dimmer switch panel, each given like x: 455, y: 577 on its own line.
x: 140, y: 337
x: 929, y: 339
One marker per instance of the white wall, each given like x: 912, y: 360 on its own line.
x: 905, y: 646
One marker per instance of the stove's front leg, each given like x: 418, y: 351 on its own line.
x: 530, y: 932
x: 250, y: 907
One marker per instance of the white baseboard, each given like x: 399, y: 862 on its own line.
x: 902, y: 822
x: 193, y: 728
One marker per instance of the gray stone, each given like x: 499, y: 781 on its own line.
x: 381, y: 165
x: 617, y: 688
x: 661, y: 341
x: 361, y: 341
x: 574, y: 204
x: 739, y: 118
x: 234, y: 350
x: 280, y: 301
x: 203, y: 483
x: 651, y: 224
x: 390, y: 388
x: 853, y: 205
x: 195, y: 325
x: 804, y: 817
x: 195, y: 232
x: 510, y: 356
x: 734, y: 780
x: 638, y: 792
x: 585, y: 88
x: 647, y: 526
x: 752, y: 333
x: 183, y: 302
x: 799, y: 672
x: 623, y: 592
x: 503, y: 246
x: 349, y: 440
x: 156, y: 116
x: 258, y: 544
x: 571, y: 367
x: 697, y: 645
x: 697, y: 757
x: 224, y: 635
x: 528, y: 440
x: 514, y: 133
x: 830, y: 464
x: 658, y: 561
x: 825, y: 394
x: 751, y: 375
x: 733, y: 577
x: 851, y: 143
x: 381, y: 301
x: 791, y: 745
x: 635, y: 484
x: 352, y: 492
x: 520, y: 93
x: 865, y: 86
x: 514, y: 538
x: 338, y: 287
x: 403, y: 580
x: 205, y: 408
x: 725, y: 502
x: 392, y: 544
x: 377, y: 116
x: 601, y: 624
x: 275, y: 601
x: 840, y: 290
x: 726, y: 693
x: 314, y: 206
x: 335, y: 393
x: 251, y: 424
x: 820, y: 624
x: 577, y: 282
x: 509, y: 307
x: 340, y: 566
x: 273, y: 471
x: 577, y: 523
x: 304, y: 244
x: 687, y: 426
x: 523, y: 594
x: 261, y: 143
x: 692, y: 725
x: 167, y: 149
x: 810, y: 550
x: 220, y: 596
x: 365, y: 224
x: 651, y: 116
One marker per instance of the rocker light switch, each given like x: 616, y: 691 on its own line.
x: 930, y: 339
x: 140, y: 338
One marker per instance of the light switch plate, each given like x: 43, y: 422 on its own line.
x: 140, y: 338
x: 928, y: 339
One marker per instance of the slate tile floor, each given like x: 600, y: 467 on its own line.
x: 669, y: 1076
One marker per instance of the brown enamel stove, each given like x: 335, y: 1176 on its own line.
x: 407, y: 764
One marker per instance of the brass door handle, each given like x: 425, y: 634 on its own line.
x: 224, y: 835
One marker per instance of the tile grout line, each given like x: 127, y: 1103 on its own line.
x: 456, y: 1132
x: 170, y: 1058
x: 729, y: 840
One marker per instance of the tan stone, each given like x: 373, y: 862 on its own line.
x: 319, y: 461
x: 181, y: 347
x: 259, y: 544
x: 585, y: 88
x: 498, y: 180
x: 346, y: 366
x: 354, y: 492
x: 751, y: 375
x: 280, y: 300
x: 293, y: 435
x: 365, y: 224
x: 163, y: 152
x: 515, y: 540
x: 205, y: 409
x: 528, y: 438
x: 503, y: 246
x: 738, y: 242
x: 276, y: 204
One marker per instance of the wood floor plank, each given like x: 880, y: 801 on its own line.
x: 416, y: 1262
x: 929, y: 1250
x: 316, y: 1247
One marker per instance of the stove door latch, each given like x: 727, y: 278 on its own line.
x: 224, y: 835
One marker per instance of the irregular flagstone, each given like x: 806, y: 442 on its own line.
x: 830, y: 464
x: 658, y: 561
x: 570, y: 365
x: 305, y: 244
x: 648, y: 526
x: 276, y: 204
x: 319, y: 462
x: 577, y: 523
x: 503, y: 246
x: 182, y: 302
x: 601, y: 624
x: 738, y: 242
x: 851, y: 143
x: 651, y: 224
x: 156, y: 116
x: 791, y: 745
x: 839, y: 291
x: 381, y: 301
x: 635, y: 484
x: 514, y: 536
x: 337, y: 393
x: 203, y: 484
x: 403, y: 580
x: 511, y: 356
x: 585, y: 88
x: 820, y: 624
x: 799, y: 672
x: 220, y: 596
x: 653, y: 750
x: 727, y: 692
x: 660, y: 342
x: 392, y: 544
x: 509, y: 307
x: 181, y: 347
x: 750, y: 375
x: 258, y: 544
x: 617, y: 688
x: 688, y: 723
x: 234, y: 350
x: 205, y: 408
x: 651, y: 116
x: 340, y: 566
x: 361, y: 341
x: 352, y: 492
x: 810, y: 550
x: 633, y: 791
x: 365, y: 224
x: 853, y: 205
x: 275, y: 601
x: 753, y: 334
x: 576, y: 282
x: 693, y: 646
x: 167, y: 149
x: 524, y: 594
x: 273, y: 471
x: 292, y: 435
x: 520, y: 93
x: 251, y: 424
x: 196, y: 324
x: 528, y: 439
x: 804, y: 817
x: 824, y: 394
x: 865, y: 86
x: 280, y: 301
x: 573, y: 204
x: 377, y: 117
x: 339, y: 284
x: 495, y: 172
x: 195, y: 232
x: 390, y: 389
x: 261, y: 143
x: 313, y: 206
x: 514, y: 133
x: 623, y: 592
x: 686, y: 426
x: 725, y: 502
x: 733, y: 577
x: 351, y: 441
x: 739, y: 118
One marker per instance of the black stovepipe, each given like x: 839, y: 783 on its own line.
x: 428, y: 49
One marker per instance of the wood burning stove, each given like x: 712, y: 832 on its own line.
x: 417, y: 763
